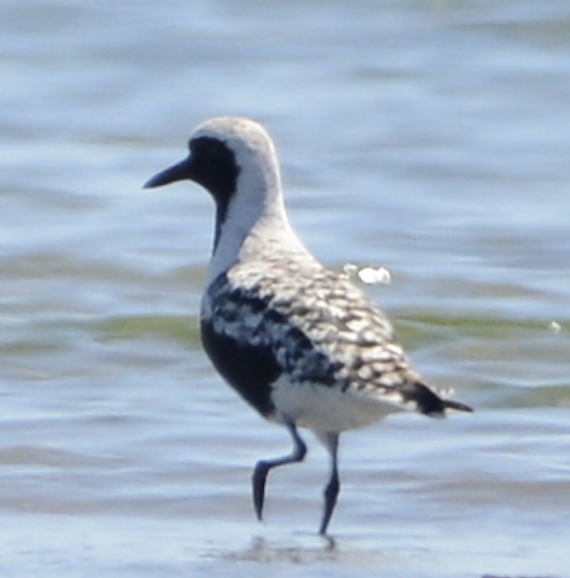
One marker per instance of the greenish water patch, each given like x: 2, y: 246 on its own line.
x: 424, y: 326
x: 164, y: 327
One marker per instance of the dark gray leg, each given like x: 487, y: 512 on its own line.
x: 330, y: 440
x: 262, y: 468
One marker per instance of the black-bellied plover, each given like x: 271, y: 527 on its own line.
x: 303, y: 345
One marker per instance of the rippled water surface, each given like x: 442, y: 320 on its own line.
x: 427, y: 137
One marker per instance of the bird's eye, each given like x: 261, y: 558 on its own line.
x: 206, y: 146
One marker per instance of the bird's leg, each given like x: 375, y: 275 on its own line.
x: 330, y: 440
x: 263, y: 466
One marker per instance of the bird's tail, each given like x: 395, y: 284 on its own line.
x: 429, y: 401
x: 456, y: 405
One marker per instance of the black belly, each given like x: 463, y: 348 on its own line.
x: 249, y: 370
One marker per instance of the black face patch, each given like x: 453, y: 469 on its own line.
x: 213, y: 165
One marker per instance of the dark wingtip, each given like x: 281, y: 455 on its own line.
x: 457, y: 406
x: 429, y: 402
x: 150, y: 184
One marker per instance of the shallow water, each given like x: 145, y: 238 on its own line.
x: 429, y: 138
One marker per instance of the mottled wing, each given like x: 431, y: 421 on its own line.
x: 260, y: 322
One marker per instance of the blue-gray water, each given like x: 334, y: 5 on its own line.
x: 431, y: 138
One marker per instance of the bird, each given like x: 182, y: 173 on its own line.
x: 303, y: 345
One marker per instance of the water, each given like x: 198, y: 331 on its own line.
x: 427, y: 137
